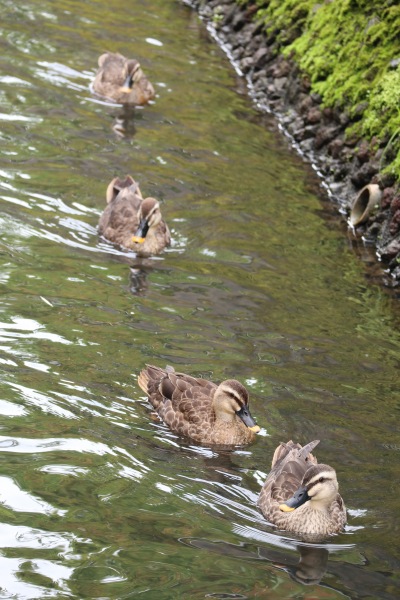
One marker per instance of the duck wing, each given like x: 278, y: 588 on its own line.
x: 120, y: 217
x: 177, y: 396
x: 112, y: 68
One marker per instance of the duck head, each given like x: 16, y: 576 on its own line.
x: 232, y: 399
x: 149, y: 216
x: 319, y: 486
x: 134, y: 75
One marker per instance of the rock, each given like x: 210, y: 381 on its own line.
x: 335, y: 147
x: 289, y: 117
x: 296, y: 126
x: 314, y: 115
x: 336, y: 187
x: 273, y: 92
x: 394, y: 224
x: 324, y: 135
x: 344, y: 119
x: 238, y: 21
x: 396, y: 274
x: 282, y: 69
x: 256, y: 44
x: 305, y: 105
x: 280, y: 83
x: 237, y: 53
x: 341, y: 171
x: 364, y: 175
x: 261, y: 57
x: 317, y: 98
x: 387, y: 197
x: 374, y: 230
x: 390, y: 250
x: 246, y: 64
x: 307, y: 145
x: 363, y: 153
x: 387, y: 179
x: 305, y: 84
x: 230, y: 13
x: 395, y: 204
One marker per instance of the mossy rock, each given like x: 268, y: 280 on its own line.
x: 350, y: 49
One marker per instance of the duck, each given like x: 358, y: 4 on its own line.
x: 300, y: 495
x: 131, y: 221
x: 122, y: 80
x: 199, y: 409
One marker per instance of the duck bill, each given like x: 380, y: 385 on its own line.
x: 299, y: 497
x: 141, y: 232
x: 126, y: 88
x: 244, y: 414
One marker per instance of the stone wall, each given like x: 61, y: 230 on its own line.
x: 345, y: 162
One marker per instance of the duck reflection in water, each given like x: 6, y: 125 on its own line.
x: 309, y: 570
x: 124, y: 124
x: 311, y: 567
x: 138, y: 273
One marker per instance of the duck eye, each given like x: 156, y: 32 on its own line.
x: 320, y: 479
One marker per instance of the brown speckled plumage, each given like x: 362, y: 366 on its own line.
x: 197, y: 408
x: 294, y: 467
x: 111, y: 79
x: 125, y: 210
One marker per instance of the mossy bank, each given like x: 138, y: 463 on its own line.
x: 330, y: 71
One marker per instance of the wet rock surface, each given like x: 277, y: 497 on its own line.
x: 347, y: 164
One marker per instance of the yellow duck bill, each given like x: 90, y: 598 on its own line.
x: 127, y: 85
x: 141, y: 232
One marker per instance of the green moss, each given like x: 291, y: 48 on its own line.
x: 346, y: 48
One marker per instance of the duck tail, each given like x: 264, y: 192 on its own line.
x: 143, y: 380
x: 282, y: 451
x: 117, y: 184
x: 306, y: 451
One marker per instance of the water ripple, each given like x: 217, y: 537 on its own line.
x: 32, y: 446
x: 18, y: 500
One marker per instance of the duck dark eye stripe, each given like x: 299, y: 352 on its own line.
x: 317, y: 479
x: 236, y: 398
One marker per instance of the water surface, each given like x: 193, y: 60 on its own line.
x: 98, y: 499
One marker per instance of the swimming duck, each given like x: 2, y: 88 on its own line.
x: 301, y: 495
x: 200, y: 409
x: 122, y: 80
x: 131, y: 221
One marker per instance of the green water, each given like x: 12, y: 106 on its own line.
x: 97, y: 499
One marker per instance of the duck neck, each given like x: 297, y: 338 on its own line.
x: 318, y: 505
